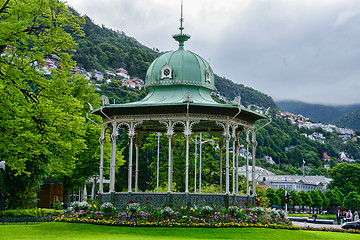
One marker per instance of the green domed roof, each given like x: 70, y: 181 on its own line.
x: 175, y: 74
x: 181, y: 67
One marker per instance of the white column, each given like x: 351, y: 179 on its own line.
x: 114, y: 136
x: 254, y: 144
x: 187, y: 134
x: 195, y: 164
x: 221, y: 145
x: 247, y: 163
x: 169, y: 165
x: 158, y: 163
x: 226, y: 135
x: 227, y: 144
x: 137, y: 163
x: 169, y: 133
x: 237, y: 168
x: 101, y: 167
x: 187, y: 164
x: 131, y: 138
x: 200, y: 159
x: 233, y: 168
x: 172, y: 163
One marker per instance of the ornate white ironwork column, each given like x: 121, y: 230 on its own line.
x: 172, y: 163
x: 137, y: 145
x: 195, y: 169
x: 101, y: 167
x: 131, y: 134
x: 247, y: 162
x: 254, y: 145
x: 234, y: 140
x: 221, y: 145
x: 227, y: 137
x: 187, y: 134
x: 131, y: 142
x: 227, y: 167
x: 237, y: 165
x: 158, y: 162
x: 114, y: 136
x: 169, y: 133
x: 200, y: 162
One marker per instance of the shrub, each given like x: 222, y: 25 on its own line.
x: 77, y: 206
x: 133, y: 208
x: 206, y: 210
x: 32, y: 212
x: 233, y: 210
x: 108, y: 209
x: 166, y: 212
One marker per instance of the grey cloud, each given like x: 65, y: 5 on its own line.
x: 300, y: 49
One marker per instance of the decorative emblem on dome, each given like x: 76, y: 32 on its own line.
x: 208, y: 76
x: 166, y: 71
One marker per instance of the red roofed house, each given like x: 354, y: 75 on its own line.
x: 122, y: 72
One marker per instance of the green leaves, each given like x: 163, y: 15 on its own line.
x: 41, y: 116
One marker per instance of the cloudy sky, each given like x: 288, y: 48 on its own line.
x: 307, y: 50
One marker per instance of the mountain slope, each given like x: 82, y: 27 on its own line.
x: 102, y: 49
x: 317, y: 112
x: 350, y: 120
x: 230, y: 90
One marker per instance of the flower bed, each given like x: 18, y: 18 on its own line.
x: 135, y: 215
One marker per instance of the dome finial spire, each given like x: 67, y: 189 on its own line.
x: 181, y: 18
x: 181, y: 38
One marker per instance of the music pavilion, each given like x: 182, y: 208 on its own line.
x: 179, y: 102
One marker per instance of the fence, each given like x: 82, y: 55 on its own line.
x: 217, y: 201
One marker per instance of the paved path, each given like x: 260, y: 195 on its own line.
x: 306, y: 224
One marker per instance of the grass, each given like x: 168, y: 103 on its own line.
x: 56, y: 230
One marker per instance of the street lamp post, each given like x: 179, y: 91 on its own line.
x: 95, y: 176
x: 2, y: 167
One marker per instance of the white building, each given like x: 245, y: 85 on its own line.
x: 293, y: 182
x: 259, y: 171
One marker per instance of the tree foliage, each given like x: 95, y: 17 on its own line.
x: 41, y: 116
x: 346, y: 177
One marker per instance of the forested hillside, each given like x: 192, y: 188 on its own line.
x: 230, y: 90
x: 342, y: 115
x: 350, y: 120
x: 103, y: 49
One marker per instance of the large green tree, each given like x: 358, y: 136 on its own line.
x: 346, y: 177
x: 42, y: 115
x: 352, y: 201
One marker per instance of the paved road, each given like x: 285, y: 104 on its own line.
x: 306, y: 224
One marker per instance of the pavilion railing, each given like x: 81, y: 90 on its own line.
x: 159, y: 200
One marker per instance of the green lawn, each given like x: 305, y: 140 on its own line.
x: 74, y: 231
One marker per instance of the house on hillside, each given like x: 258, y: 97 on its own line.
x: 47, y: 65
x: 325, y: 157
x: 98, y: 76
x: 269, y: 160
x: 133, y: 83
x: 122, y: 72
